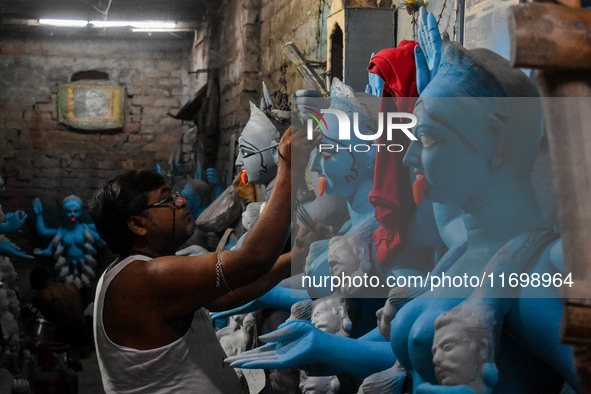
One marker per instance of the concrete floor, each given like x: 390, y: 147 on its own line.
x: 89, y: 378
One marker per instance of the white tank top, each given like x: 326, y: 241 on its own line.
x: 191, y: 364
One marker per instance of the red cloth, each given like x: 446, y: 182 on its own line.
x: 392, y: 194
x: 396, y: 66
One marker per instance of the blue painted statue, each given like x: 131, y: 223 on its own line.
x: 344, y: 174
x: 257, y: 149
x: 370, y: 353
x: 72, y: 245
x: 299, y: 343
x: 347, y: 174
x: 475, y: 151
x: 199, y: 194
x: 10, y: 222
x: 477, y: 142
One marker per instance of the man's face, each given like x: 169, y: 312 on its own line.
x: 173, y: 224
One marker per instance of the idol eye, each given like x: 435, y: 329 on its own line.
x: 426, y: 141
x: 327, y: 153
x: 246, y: 152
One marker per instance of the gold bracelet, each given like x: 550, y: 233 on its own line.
x: 219, y: 273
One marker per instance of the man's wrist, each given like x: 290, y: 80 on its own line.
x: 284, y: 171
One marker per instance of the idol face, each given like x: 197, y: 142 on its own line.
x: 260, y: 167
x: 72, y: 209
x: 326, y: 317
x: 343, y: 169
x: 258, y: 133
x: 350, y: 259
x: 457, y: 356
x: 448, y: 163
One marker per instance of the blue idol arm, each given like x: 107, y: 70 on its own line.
x: 278, y: 297
x: 42, y: 230
x: 9, y: 249
x: 298, y: 343
x: 428, y: 52
x: 428, y: 388
x: 214, y: 180
x: 12, y: 222
x: 48, y: 251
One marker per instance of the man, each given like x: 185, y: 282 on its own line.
x: 152, y: 334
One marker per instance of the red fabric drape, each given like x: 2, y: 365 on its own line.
x: 391, y: 194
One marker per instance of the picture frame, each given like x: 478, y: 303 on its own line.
x: 92, y: 104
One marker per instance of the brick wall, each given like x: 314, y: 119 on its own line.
x: 242, y: 48
x: 40, y: 157
x: 252, y: 54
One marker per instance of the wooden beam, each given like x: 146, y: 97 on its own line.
x: 576, y: 320
x: 557, y: 39
x: 304, y: 68
x: 568, y: 3
x: 567, y: 99
x: 547, y: 35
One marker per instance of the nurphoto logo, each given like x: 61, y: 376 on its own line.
x: 394, y: 121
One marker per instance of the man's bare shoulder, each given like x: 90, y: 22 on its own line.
x: 176, y: 264
x: 162, y: 272
x: 134, y: 312
x: 128, y: 278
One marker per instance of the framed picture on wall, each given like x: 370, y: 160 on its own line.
x: 92, y: 104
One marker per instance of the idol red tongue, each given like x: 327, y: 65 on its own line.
x: 243, y: 176
x: 321, y: 185
x: 418, y: 187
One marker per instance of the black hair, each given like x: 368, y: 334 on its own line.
x: 118, y: 199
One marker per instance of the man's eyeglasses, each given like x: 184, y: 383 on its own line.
x: 172, y: 198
